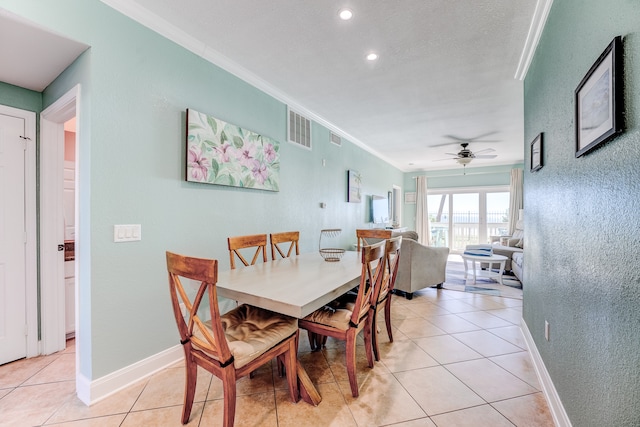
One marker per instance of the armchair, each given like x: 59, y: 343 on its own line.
x: 420, y: 266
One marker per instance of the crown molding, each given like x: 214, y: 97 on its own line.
x: 540, y: 15
x: 155, y: 23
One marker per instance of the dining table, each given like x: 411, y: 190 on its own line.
x: 294, y: 286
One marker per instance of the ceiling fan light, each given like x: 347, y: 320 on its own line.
x: 464, y: 160
x: 345, y: 14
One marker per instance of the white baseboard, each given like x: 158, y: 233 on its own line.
x: 90, y: 392
x: 560, y: 417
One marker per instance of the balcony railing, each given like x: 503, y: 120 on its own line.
x: 466, y: 229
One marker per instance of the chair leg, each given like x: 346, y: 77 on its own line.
x: 367, y: 335
x: 190, y: 380
x: 351, y: 363
x: 387, y: 317
x: 374, y: 335
x: 229, y: 387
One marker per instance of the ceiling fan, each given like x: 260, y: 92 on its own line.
x: 465, y: 156
x: 458, y: 140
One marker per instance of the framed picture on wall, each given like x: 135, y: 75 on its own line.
x: 353, y: 186
x: 599, y: 104
x: 536, y: 153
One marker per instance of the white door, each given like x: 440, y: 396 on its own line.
x: 13, y: 333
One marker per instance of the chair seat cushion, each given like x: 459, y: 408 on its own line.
x: 251, y: 331
x: 335, y: 314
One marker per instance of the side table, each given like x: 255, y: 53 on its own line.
x: 489, y: 273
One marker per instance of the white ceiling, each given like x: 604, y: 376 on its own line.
x: 446, y: 68
x: 33, y: 57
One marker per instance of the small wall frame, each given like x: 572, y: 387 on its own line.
x: 536, y: 153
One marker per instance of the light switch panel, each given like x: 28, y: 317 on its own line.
x: 127, y: 232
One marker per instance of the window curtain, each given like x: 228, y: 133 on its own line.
x: 515, y: 198
x: 423, y: 225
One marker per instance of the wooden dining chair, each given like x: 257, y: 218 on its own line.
x: 371, y: 233
x: 392, y: 261
x: 344, y: 318
x: 230, y: 345
x: 257, y: 241
x: 277, y: 239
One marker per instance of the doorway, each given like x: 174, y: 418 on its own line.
x: 53, y: 235
x: 462, y: 217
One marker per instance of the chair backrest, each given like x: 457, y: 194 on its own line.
x: 392, y: 261
x: 258, y: 241
x: 373, y: 261
x: 371, y: 233
x: 192, y: 329
x: 286, y: 237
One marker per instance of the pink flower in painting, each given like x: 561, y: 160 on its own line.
x: 269, y: 153
x: 197, y: 164
x: 223, y: 152
x: 259, y: 171
x: 246, y: 155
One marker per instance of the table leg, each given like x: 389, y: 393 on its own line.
x: 308, y: 391
x: 500, y: 272
x: 473, y: 265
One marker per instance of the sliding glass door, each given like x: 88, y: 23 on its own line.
x: 460, y: 217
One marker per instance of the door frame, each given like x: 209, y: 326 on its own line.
x: 31, y: 227
x: 52, y: 288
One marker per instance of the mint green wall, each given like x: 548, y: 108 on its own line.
x: 488, y: 176
x: 135, y: 87
x: 17, y: 97
x: 582, y: 221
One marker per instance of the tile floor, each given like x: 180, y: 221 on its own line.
x: 458, y: 359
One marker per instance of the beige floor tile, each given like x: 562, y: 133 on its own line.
x: 446, y: 349
x: 483, y: 302
x: 513, y: 334
x: 16, y: 373
x: 403, y: 356
x: 437, y: 391
x: 452, y: 323
x: 526, y: 411
x: 486, y: 343
x: 456, y: 306
x: 63, y: 368
x: 262, y: 382
x: 489, y: 380
x: 483, y: 415
x: 119, y: 403
x: 417, y: 328
x: 338, y: 364
x: 34, y: 405
x: 254, y: 410
x: 106, y: 421
x: 166, y: 417
x: 382, y: 401
x: 512, y: 315
x: 485, y: 320
x: 426, y: 309
x: 166, y: 388
x: 331, y: 412
x: 420, y: 422
x: 520, y: 365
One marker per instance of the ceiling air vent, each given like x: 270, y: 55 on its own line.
x: 336, y: 139
x: 299, y: 129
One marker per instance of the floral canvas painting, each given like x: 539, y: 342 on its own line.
x: 224, y: 154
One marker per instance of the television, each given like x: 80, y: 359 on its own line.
x: 379, y: 209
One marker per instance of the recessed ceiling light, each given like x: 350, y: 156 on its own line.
x: 345, y: 14
x: 372, y: 56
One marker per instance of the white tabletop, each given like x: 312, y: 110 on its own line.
x: 493, y: 257
x: 294, y: 286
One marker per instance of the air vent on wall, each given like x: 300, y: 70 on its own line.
x: 336, y: 139
x: 299, y: 129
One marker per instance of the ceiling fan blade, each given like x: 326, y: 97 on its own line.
x: 484, y: 150
x: 451, y: 154
x: 444, y: 145
x: 486, y: 156
x: 441, y: 160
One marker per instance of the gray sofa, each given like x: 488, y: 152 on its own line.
x: 420, y: 266
x: 513, y: 248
